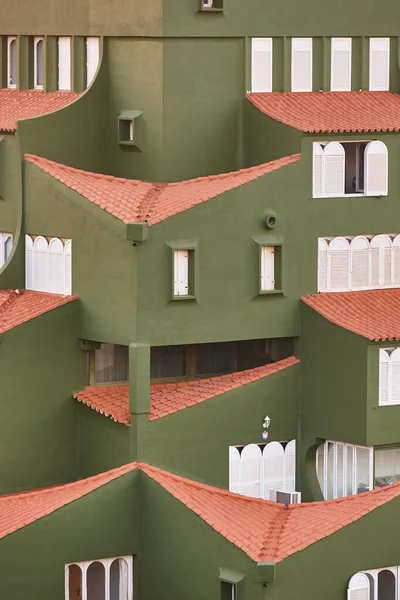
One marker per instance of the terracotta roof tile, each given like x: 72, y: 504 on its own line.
x: 19, y: 510
x: 373, y: 314
x: 16, y: 106
x: 136, y: 201
x: 331, y: 112
x: 267, y: 531
x: 17, y: 307
x: 169, y: 398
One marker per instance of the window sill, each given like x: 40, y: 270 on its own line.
x: 210, y: 9
x: 180, y: 298
x: 349, y: 196
x: 388, y: 404
x: 270, y: 292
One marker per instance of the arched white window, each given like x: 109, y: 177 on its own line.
x: 92, y: 58
x: 28, y: 262
x: 235, y: 470
x: 119, y: 580
x: 376, y: 169
x: 103, y: 579
x: 359, y: 263
x: 381, y: 261
x: 5, y: 247
x: 251, y: 471
x: 384, y: 361
x: 12, y: 62
x: 318, y: 156
x: 338, y: 264
x: 56, y: 250
x: 41, y: 282
x: 394, y: 377
x: 96, y: 581
x: 274, y: 468
x: 38, y: 63
x: 68, y: 268
x: 290, y: 466
x: 334, y: 169
x: 73, y: 582
x: 386, y: 585
x: 322, y: 265
x: 396, y: 261
x: 359, y: 587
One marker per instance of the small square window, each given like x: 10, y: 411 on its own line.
x: 216, y: 5
x: 183, y: 273
x: 127, y: 133
x: 228, y: 591
x: 270, y: 269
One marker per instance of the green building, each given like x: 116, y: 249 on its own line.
x: 199, y: 300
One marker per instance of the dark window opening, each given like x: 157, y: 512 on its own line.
x: 354, y: 167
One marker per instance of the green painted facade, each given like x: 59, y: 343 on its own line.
x: 187, y: 71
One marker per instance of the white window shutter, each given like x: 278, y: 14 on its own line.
x: 338, y: 265
x: 92, y: 58
x: 8, y: 244
x: 234, y: 470
x: 379, y: 64
x: 274, y: 468
x: 322, y: 265
x: 12, y: 62
x: 181, y: 272
x: 28, y: 262
x: 318, y: 153
x: 381, y: 261
x: 251, y: 471
x: 301, y: 64
x: 56, y: 252
x: 396, y: 261
x: 261, y: 65
x: 64, y: 63
x: 384, y: 361
x: 67, y: 283
x: 341, y: 64
x: 41, y: 280
x: 290, y: 466
x: 360, y: 253
x: 267, y: 268
x: 358, y: 587
x: 376, y: 169
x: 395, y: 377
x: 334, y: 169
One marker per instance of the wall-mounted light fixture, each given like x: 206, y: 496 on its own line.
x: 266, y: 424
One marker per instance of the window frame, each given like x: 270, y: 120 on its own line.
x: 36, y: 41
x: 107, y: 563
x: 341, y: 41
x: 191, y: 247
x: 68, y: 87
x: 278, y: 267
x: 265, y: 45
x: 10, y: 40
x: 385, y: 351
x: 4, y: 237
x: 299, y: 41
x: 376, y: 41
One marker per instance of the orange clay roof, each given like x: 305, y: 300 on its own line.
x: 15, y: 105
x: 137, y: 201
x: 19, y: 510
x: 17, y: 307
x: 265, y: 531
x: 373, y: 314
x: 331, y: 112
x: 168, y: 398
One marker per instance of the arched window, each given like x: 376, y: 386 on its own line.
x: 38, y: 63
x: 376, y: 169
x: 74, y: 582
x: 68, y: 268
x: 119, y: 580
x: 96, y: 581
x: 234, y: 470
x: 251, y: 471
x: 384, y: 361
x: 334, y: 169
x: 56, y: 250
x: 359, y: 250
x: 40, y: 264
x: 359, y: 587
x: 274, y: 468
x: 7, y: 247
x: 394, y: 377
x: 28, y: 262
x: 396, y: 261
x: 386, y: 585
x: 338, y: 265
x: 381, y: 261
x: 12, y: 62
x: 322, y: 265
x: 290, y: 466
x: 318, y: 155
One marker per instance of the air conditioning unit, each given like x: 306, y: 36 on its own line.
x: 285, y: 497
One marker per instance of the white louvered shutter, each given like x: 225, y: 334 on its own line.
x: 394, y: 381
x: 181, y: 272
x: 318, y: 153
x: 376, y: 169
x: 267, y: 268
x: 341, y: 64
x: 290, y: 466
x: 381, y: 261
x: 234, y: 470
x: 274, y: 468
x: 251, y: 471
x: 379, y: 64
x: 396, y: 261
x: 338, y: 265
x: 334, y: 169
x: 28, y: 262
x: 92, y: 58
x: 56, y: 253
x: 360, y: 252
x: 8, y: 244
x: 64, y: 63
x: 261, y: 65
x: 67, y: 283
x: 384, y: 361
x: 301, y: 64
x: 358, y: 587
x: 12, y: 62
x: 41, y: 281
x: 322, y: 265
